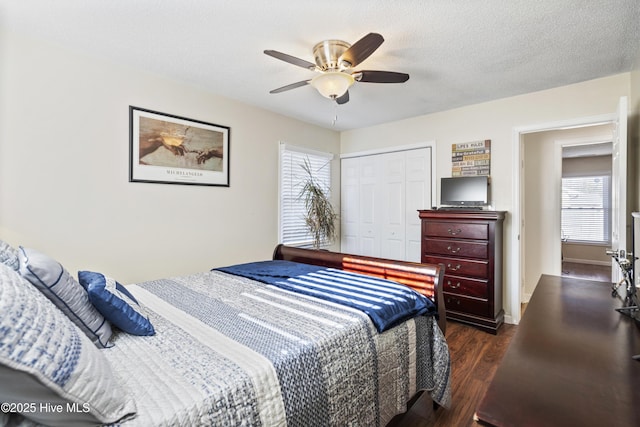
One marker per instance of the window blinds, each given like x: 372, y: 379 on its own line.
x: 586, y: 209
x: 293, y: 230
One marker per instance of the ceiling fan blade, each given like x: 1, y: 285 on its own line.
x: 360, y: 50
x: 291, y: 86
x: 380, y: 77
x: 291, y: 59
x: 343, y: 99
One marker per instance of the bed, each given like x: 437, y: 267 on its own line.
x: 226, y: 348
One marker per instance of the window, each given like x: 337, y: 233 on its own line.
x: 293, y: 230
x: 586, y: 209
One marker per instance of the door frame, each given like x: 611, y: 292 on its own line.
x: 516, y: 283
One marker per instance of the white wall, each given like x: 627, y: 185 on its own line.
x: 496, y: 121
x: 64, y: 153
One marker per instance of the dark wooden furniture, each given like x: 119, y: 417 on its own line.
x: 569, y: 362
x: 469, y: 244
x: 426, y: 279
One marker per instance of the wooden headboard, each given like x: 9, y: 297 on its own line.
x: 424, y: 278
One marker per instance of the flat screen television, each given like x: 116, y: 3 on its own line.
x: 464, y: 191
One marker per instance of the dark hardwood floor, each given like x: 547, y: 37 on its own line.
x: 600, y: 273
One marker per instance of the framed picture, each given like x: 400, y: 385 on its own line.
x: 170, y: 149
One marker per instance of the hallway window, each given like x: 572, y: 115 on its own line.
x: 586, y: 209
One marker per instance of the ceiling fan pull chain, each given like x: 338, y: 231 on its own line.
x: 335, y: 114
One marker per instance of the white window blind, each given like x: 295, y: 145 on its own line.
x: 293, y: 230
x: 586, y: 209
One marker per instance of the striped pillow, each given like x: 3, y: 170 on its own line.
x: 55, y: 282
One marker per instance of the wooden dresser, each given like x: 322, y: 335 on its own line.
x: 469, y: 244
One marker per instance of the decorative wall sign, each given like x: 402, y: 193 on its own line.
x: 175, y: 150
x: 471, y: 158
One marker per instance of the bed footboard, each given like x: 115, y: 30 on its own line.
x: 424, y: 278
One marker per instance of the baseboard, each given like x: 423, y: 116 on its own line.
x: 587, y: 261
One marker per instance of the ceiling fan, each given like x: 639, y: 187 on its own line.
x: 335, y: 60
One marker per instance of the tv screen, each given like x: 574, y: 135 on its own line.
x: 464, y: 191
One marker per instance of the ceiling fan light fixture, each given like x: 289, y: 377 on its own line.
x: 335, y: 60
x: 332, y: 84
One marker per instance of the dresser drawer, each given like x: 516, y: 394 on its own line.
x: 466, y: 286
x: 457, y: 230
x: 453, y: 302
x: 460, y: 267
x: 457, y: 248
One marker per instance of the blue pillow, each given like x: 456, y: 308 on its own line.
x: 115, y: 303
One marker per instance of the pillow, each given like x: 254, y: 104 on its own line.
x: 115, y: 303
x: 55, y: 282
x: 46, y: 359
x: 9, y: 255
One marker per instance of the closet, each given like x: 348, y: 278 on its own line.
x: 381, y: 194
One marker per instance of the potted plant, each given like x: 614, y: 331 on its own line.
x: 320, y: 216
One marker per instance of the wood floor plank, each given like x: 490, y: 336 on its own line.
x: 492, y: 353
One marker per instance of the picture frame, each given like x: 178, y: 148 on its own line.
x: 170, y: 149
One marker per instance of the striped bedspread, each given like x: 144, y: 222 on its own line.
x: 230, y: 351
x: 386, y: 303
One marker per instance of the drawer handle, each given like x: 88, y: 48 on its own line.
x: 457, y: 301
x: 456, y: 286
x: 454, y: 232
x: 456, y: 268
x: 453, y: 251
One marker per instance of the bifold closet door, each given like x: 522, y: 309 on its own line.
x: 381, y: 195
x: 360, y: 205
x: 391, y: 190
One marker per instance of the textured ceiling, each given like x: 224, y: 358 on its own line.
x: 456, y: 52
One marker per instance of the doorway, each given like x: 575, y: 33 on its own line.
x: 585, y: 209
x: 544, y: 155
x: 515, y: 291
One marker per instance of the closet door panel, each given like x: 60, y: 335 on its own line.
x: 369, y: 213
x: 392, y: 208
x: 418, y: 196
x: 350, y: 205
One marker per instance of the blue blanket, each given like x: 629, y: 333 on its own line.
x: 387, y: 303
